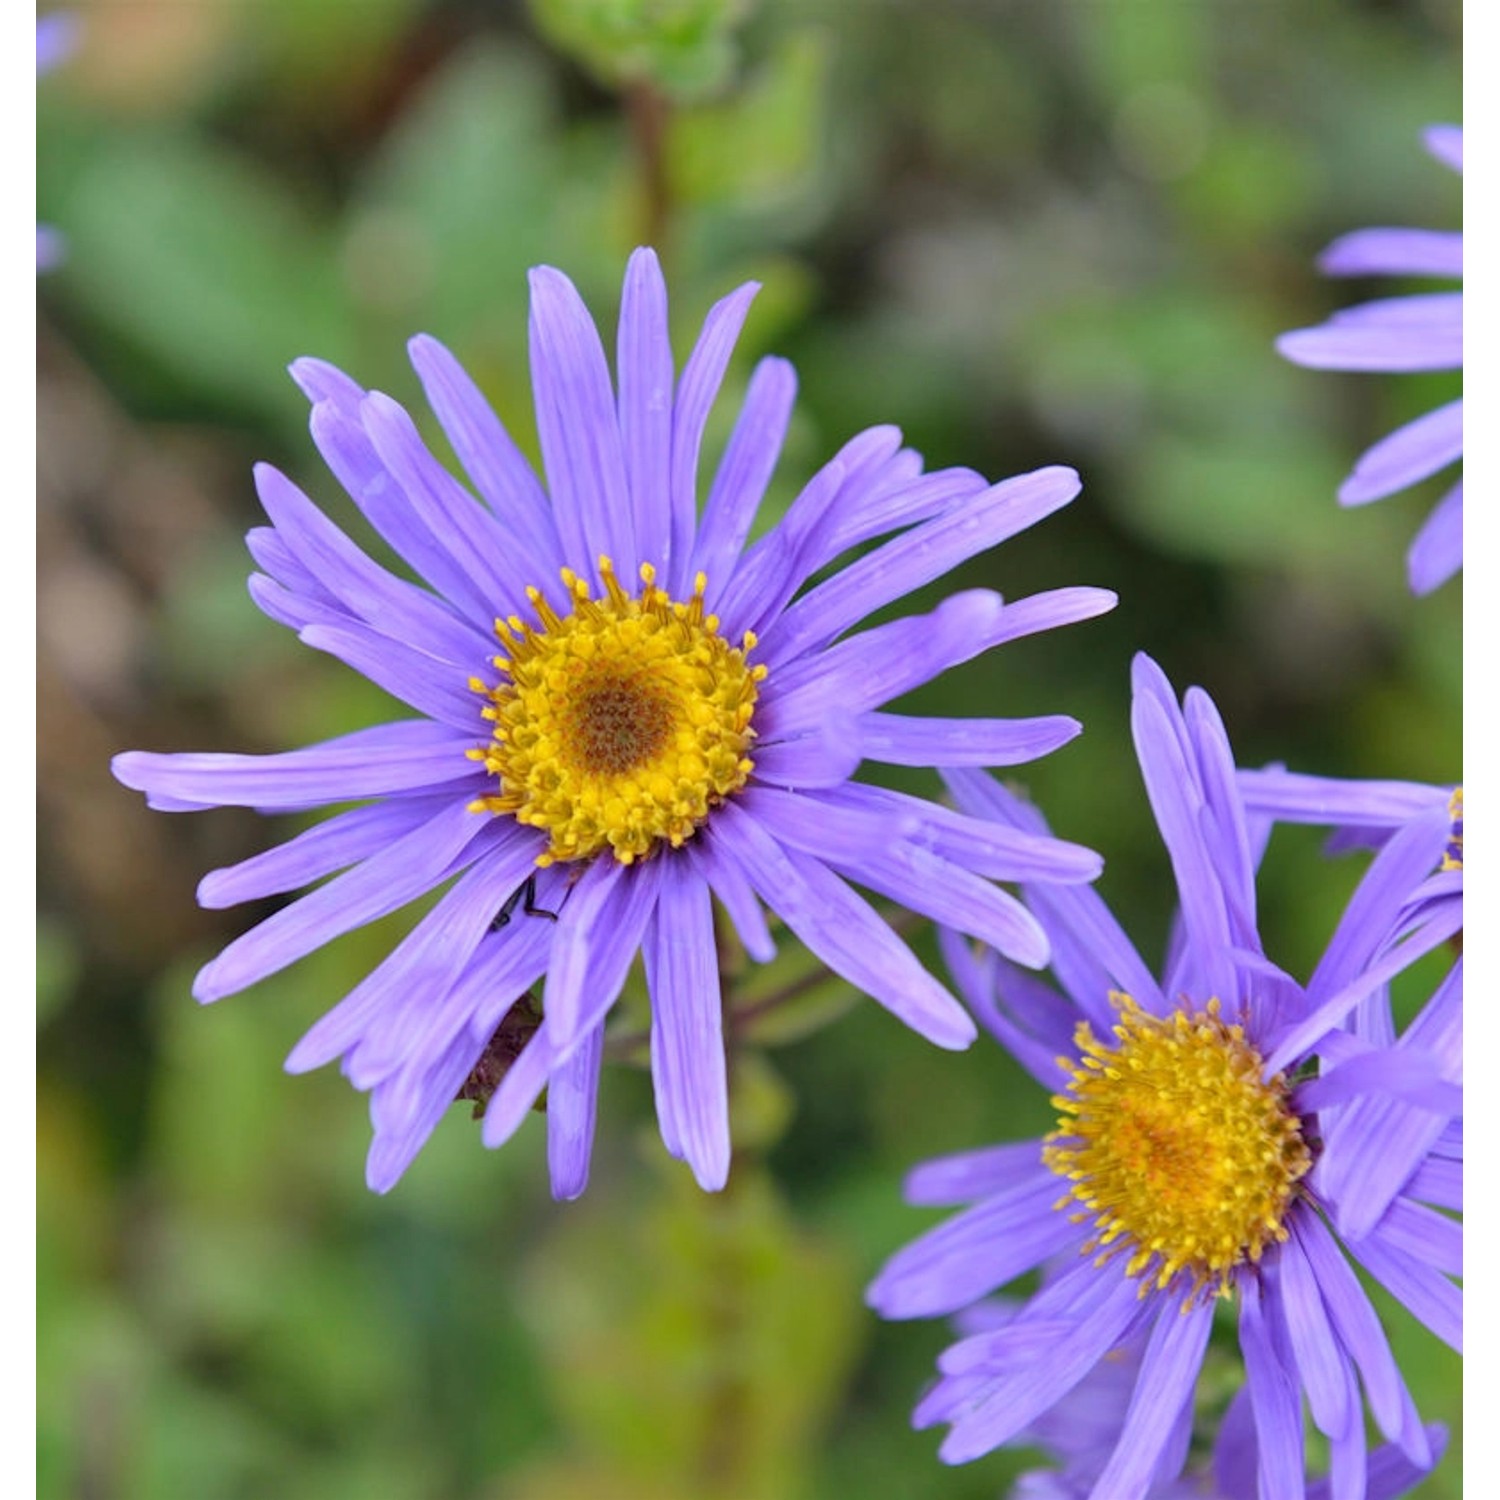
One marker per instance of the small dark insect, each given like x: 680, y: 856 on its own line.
x: 523, y: 896
x: 518, y: 1026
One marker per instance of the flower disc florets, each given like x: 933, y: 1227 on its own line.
x: 1453, y: 853
x: 620, y: 724
x: 1186, y: 1157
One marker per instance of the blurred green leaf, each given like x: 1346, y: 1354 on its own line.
x: 459, y: 200
x: 683, y: 47
x: 207, y: 265
x: 57, y: 965
x: 761, y: 148
x: 705, y: 1353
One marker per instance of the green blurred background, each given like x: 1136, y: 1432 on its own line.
x: 1026, y: 233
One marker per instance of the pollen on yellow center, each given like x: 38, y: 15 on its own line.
x: 1186, y: 1159
x: 620, y: 724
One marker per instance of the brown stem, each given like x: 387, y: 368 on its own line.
x: 649, y: 113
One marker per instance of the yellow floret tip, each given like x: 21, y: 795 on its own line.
x: 621, y: 724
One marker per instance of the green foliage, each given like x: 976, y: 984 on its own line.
x: 683, y: 47
x: 206, y: 266
x: 704, y: 1355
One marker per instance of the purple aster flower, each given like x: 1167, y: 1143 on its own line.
x: 1182, y: 1171
x: 1079, y: 1434
x: 56, y: 36
x: 1418, y: 332
x: 673, y: 714
x: 1417, y: 874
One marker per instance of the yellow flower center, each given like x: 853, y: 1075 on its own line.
x: 618, y: 725
x: 1185, y: 1158
x: 1453, y: 855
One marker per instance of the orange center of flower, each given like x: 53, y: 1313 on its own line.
x: 1171, y: 1140
x: 621, y: 724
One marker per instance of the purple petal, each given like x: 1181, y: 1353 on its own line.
x: 916, y: 557
x: 1437, y: 552
x: 687, y: 1031
x: 879, y: 664
x: 56, y: 37
x: 374, y: 1024
x: 903, y: 496
x: 408, y: 755
x: 1392, y: 1473
x: 1169, y: 1371
x: 338, y: 431
x: 1422, y: 332
x: 1422, y: 1289
x: 51, y: 248
x: 500, y: 561
x: 1407, y: 456
x: 1412, y: 1077
x: 883, y: 861
x: 782, y: 560
x: 1374, y: 912
x: 644, y: 364
x: 1359, y: 1329
x: 696, y: 392
x: 343, y: 573
x: 572, y: 1101
x: 486, y: 450
x: 1305, y: 1033
x: 744, y: 471
x: 1091, y: 955
x: 975, y: 1252
x: 395, y: 1147
x: 1274, y: 1399
x: 1225, y: 829
x: 1016, y: 1401
x: 333, y: 844
x: 967, y: 1176
x: 1446, y: 143
x: 1424, y: 1234
x: 1395, y: 252
x: 1176, y: 797
x: 1292, y: 798
x: 407, y: 1010
x: 824, y: 756
x: 1320, y: 1359
x: 433, y: 687
x: 842, y: 929
x: 1236, y: 1459
x: 732, y: 887
x: 868, y: 670
x: 990, y: 849
x: 578, y: 429
x: 900, y: 741
x: 1437, y: 1181
x: 598, y: 934
x: 1028, y: 1018
x: 402, y: 871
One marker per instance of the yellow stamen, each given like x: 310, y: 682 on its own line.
x: 1183, y: 1155
x: 620, y: 724
x: 1453, y: 855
